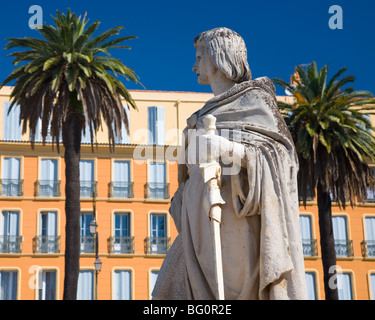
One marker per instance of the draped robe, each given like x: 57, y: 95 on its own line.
x: 260, y: 233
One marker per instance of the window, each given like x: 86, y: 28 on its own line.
x: 47, y: 285
x: 308, y: 243
x: 369, y: 243
x: 121, y: 186
x: 122, y: 242
x: 11, y: 122
x: 38, y: 132
x: 344, y: 286
x: 156, y: 125
x: 122, y: 285
x: 372, y: 286
x: 47, y: 241
x: 158, y: 240
x: 153, y: 277
x: 10, y: 241
x: 11, y: 183
x: 85, y: 287
x: 157, y: 186
x: 343, y: 246
x: 8, y: 285
x: 48, y: 185
x: 310, y: 285
x: 125, y: 136
x: 86, y: 177
x: 87, y: 240
x: 370, y: 191
x: 86, y: 137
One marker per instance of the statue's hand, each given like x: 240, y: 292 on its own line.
x: 212, y: 147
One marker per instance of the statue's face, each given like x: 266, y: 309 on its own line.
x: 203, y: 66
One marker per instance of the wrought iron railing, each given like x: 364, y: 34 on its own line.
x: 10, y: 244
x: 368, y: 249
x: 46, y: 244
x: 11, y: 187
x: 88, y: 188
x: 47, y: 188
x: 344, y: 248
x: 156, y: 190
x: 87, y: 244
x: 120, y: 189
x: 309, y: 247
x: 157, y: 245
x: 121, y: 244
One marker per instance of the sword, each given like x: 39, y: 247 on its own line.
x: 211, y: 176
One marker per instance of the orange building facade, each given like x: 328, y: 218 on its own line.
x: 132, y: 188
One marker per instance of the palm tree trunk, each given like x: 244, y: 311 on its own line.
x: 327, y: 243
x: 72, y: 143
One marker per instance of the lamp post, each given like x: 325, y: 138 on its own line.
x: 97, y: 264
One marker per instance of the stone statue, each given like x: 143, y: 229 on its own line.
x: 261, y: 245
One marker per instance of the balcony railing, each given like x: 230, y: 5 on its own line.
x: 120, y: 189
x: 88, y: 188
x: 121, y: 244
x: 47, y: 244
x: 309, y: 247
x: 10, y: 244
x: 157, y: 245
x: 11, y: 187
x: 87, y: 244
x: 368, y: 249
x: 155, y: 190
x: 47, y: 188
x: 344, y: 248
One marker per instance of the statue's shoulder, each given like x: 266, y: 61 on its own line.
x: 257, y: 88
x: 266, y: 84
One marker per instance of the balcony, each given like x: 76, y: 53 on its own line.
x: 309, y: 247
x: 11, y: 187
x: 121, y: 244
x: 344, y: 248
x: 368, y: 249
x: 87, y: 244
x: 46, y: 244
x: 10, y: 244
x: 157, y: 245
x: 156, y: 190
x: 88, y: 189
x: 47, y: 188
x: 121, y: 190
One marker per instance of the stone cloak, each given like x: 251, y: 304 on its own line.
x: 260, y: 232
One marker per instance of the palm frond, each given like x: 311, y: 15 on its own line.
x: 332, y: 132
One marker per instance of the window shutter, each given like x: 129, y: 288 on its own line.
x: 11, y: 122
x: 156, y: 125
x: 310, y: 285
x: 122, y: 285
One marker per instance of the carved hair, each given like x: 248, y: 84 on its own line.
x: 228, y: 52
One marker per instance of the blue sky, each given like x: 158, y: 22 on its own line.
x: 279, y: 35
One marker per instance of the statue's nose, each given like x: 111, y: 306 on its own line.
x: 195, y: 67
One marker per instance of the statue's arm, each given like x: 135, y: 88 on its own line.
x: 246, y: 185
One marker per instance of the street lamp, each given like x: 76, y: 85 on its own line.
x: 93, y: 226
x: 98, y: 265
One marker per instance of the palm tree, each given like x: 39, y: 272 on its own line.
x: 70, y: 82
x: 331, y: 129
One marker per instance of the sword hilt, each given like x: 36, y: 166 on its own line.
x: 209, y: 122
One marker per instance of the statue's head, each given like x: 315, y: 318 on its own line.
x: 228, y: 52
